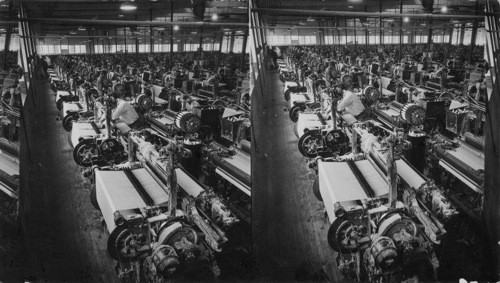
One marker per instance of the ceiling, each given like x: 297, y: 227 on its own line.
x: 376, y: 8
x: 116, y: 23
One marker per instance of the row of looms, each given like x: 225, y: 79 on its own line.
x: 174, y: 192
x: 414, y: 166
x: 386, y: 113
x: 134, y: 141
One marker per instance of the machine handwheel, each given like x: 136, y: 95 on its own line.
x: 338, y: 236
x: 287, y: 94
x: 84, y: 152
x: 59, y: 104
x: 118, y: 241
x: 316, y: 191
x: 93, y: 198
x: 346, y: 80
x: 188, y: 122
x: 309, y: 144
x: 294, y: 112
x: 145, y: 102
x: 371, y: 93
x: 109, y: 147
x: 68, y: 122
x: 413, y: 114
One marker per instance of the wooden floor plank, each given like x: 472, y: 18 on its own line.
x: 289, y: 224
x: 63, y: 232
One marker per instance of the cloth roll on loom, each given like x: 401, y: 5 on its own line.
x: 235, y: 169
x: 335, y: 177
x: 115, y: 191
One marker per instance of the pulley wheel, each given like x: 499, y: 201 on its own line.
x: 188, y: 122
x: 117, y: 244
x: 371, y: 93
x: 68, y: 122
x: 144, y: 102
x: 338, y: 236
x: 346, y: 80
x: 310, y: 143
x: 294, y: 112
x: 84, y: 152
x: 413, y: 114
x: 109, y: 147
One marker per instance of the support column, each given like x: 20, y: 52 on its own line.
x: 171, y: 30
x: 244, y: 48
x: 151, y: 39
x: 231, y: 44
x: 462, y: 33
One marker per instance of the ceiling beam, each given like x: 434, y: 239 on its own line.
x: 129, y: 23
x: 352, y: 14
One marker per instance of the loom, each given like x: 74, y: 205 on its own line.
x: 147, y: 235
x: 216, y: 213
x: 459, y: 167
x: 235, y: 168
x: 370, y: 216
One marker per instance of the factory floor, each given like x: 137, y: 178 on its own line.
x: 289, y: 226
x: 64, y: 237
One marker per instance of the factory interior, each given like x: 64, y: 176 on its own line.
x: 384, y: 118
x: 130, y: 157
x: 249, y: 140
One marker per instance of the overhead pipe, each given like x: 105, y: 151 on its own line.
x: 131, y: 23
x: 308, y: 13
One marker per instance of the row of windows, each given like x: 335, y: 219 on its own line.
x: 49, y: 49
x: 275, y: 39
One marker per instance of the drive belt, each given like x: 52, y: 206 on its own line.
x: 96, y: 129
x: 361, y: 179
x: 79, y: 106
x: 138, y: 187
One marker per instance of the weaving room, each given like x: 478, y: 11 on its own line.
x: 135, y: 141
x: 384, y: 118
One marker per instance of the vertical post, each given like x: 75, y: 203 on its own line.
x: 151, y: 39
x: 381, y: 23
x: 231, y: 45
x: 451, y: 34
x: 201, y: 45
x: 136, y: 41
x: 429, y: 36
x: 172, y: 30
x: 473, y: 36
x: 244, y: 48
x: 355, y: 34
x: 462, y: 33
x: 400, y: 29
x: 7, y: 37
